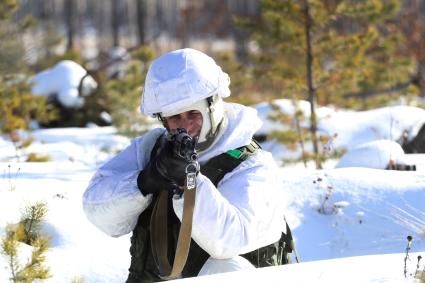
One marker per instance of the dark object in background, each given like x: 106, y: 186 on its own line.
x: 401, y: 167
x: 260, y: 137
x: 90, y: 112
x: 416, y: 145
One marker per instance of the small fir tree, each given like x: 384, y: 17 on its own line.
x: 294, y: 135
x: 243, y: 84
x: 32, y: 217
x: 123, y: 94
x: 17, y: 106
x: 27, y: 232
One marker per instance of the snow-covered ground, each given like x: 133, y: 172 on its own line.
x: 362, y: 269
x: 350, y: 223
x: 347, y: 129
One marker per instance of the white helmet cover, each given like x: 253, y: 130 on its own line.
x: 180, y: 78
x: 185, y: 80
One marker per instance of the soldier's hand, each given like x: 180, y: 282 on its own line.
x: 166, y: 171
x: 171, y: 165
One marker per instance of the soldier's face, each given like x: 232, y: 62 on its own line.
x: 190, y: 120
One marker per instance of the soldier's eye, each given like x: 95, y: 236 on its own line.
x: 194, y: 114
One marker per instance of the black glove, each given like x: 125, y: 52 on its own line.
x: 170, y: 165
x: 165, y: 172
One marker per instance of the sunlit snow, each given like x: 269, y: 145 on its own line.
x: 350, y: 223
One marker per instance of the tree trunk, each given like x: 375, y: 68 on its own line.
x: 70, y: 23
x: 299, y: 130
x: 421, y: 77
x: 310, y: 84
x: 241, y: 36
x: 185, y: 28
x: 115, y: 23
x: 141, y: 16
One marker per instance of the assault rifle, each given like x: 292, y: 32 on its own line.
x: 184, y: 146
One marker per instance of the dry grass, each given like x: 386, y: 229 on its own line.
x: 35, y: 157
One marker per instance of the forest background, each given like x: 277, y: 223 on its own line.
x: 349, y: 53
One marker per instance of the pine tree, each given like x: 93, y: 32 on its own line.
x: 354, y: 47
x: 412, y: 23
x: 27, y: 232
x: 17, y: 105
x: 7, y: 7
x: 32, y: 217
x: 9, y: 247
x: 243, y: 85
x: 294, y: 135
x: 34, y: 268
x: 322, y: 50
x: 123, y: 94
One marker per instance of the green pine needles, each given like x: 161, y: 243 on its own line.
x: 27, y: 231
x: 354, y: 48
x: 123, y: 92
x: 327, y: 52
x: 17, y: 106
x: 32, y: 217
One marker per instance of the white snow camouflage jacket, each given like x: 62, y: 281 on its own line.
x: 244, y: 213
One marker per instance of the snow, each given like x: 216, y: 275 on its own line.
x: 349, y: 223
x: 390, y: 202
x: 348, y: 129
x: 374, y: 154
x: 376, y: 268
x: 62, y: 81
x: 354, y: 128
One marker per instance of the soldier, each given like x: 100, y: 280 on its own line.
x: 238, y: 212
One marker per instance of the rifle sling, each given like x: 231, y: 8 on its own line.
x: 159, y: 235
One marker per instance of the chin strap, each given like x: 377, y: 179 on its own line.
x: 212, y: 101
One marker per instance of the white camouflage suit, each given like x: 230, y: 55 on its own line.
x: 243, y: 213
